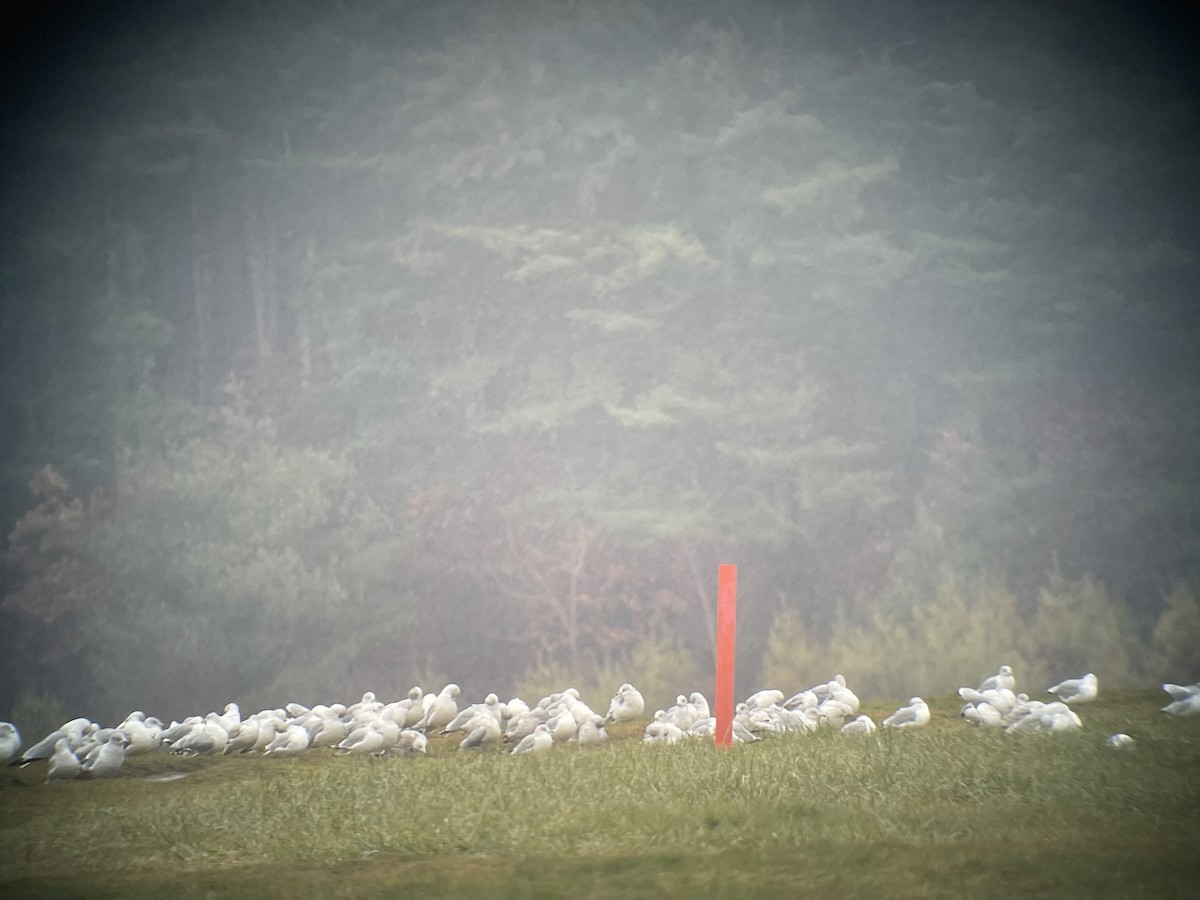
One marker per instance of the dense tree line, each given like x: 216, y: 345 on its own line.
x: 406, y: 341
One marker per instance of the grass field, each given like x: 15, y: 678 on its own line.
x: 949, y: 811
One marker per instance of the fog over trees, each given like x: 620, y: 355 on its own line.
x: 356, y: 345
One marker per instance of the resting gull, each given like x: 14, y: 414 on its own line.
x: 834, y: 712
x: 482, y: 731
x: 861, y: 725
x: 329, y: 731
x: 269, y: 728
x: 247, y: 735
x: 682, y: 715
x: 64, y: 764
x: 591, y: 732
x: 915, y: 715
x: 145, y: 734
x: 410, y: 742
x: 1182, y: 691
x: 627, y: 704
x: 563, y: 727
x: 1189, y: 706
x: 983, y: 714
x: 406, y: 712
x: 806, y: 719
x: 362, y: 741
x: 821, y: 691
x: 515, y: 707
x: 1059, y: 717
x: 524, y: 725
x: 490, y: 706
x: 763, y: 699
x: 368, y: 706
x: 660, y: 730
x: 442, y: 709
x: 806, y: 699
x: 1001, y: 699
x: 177, y: 731
x: 10, y: 742
x: 230, y: 718
x: 1185, y: 699
x: 292, y: 742
x: 106, y: 760
x: 210, y: 737
x: 74, y: 731
x: 1076, y: 690
x: 708, y: 728
x: 538, y: 741
x: 1003, y: 678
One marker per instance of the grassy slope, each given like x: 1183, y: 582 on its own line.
x: 949, y: 811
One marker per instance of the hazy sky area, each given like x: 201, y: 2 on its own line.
x: 351, y: 346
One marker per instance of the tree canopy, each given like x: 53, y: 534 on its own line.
x: 388, y: 341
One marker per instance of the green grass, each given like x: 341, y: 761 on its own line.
x: 949, y: 811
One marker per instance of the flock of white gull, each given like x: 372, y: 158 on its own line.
x: 370, y: 727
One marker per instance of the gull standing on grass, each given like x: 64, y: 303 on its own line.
x: 915, y: 715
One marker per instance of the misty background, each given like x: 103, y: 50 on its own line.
x: 348, y: 346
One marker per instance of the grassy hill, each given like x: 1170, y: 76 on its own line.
x: 949, y: 811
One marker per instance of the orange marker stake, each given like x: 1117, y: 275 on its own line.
x: 726, y: 639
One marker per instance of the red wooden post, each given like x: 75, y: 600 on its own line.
x: 726, y: 639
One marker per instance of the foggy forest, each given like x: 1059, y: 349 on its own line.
x: 352, y: 346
